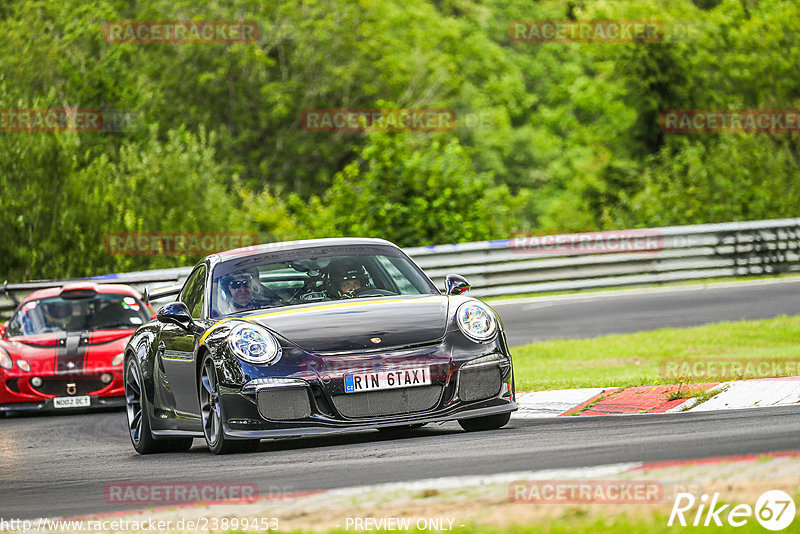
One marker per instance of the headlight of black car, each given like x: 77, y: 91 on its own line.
x: 254, y: 344
x: 476, y: 321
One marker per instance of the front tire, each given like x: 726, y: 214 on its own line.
x: 490, y: 422
x: 212, y: 415
x: 138, y: 416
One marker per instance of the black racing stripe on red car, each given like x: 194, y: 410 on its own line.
x: 91, y: 338
x: 60, y: 344
x: 91, y: 352
x: 71, y: 355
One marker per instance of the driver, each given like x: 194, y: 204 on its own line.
x: 241, y: 291
x: 57, y: 315
x: 349, y: 280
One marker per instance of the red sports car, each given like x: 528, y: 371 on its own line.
x: 63, y: 347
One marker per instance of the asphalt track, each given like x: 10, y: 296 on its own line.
x: 58, y: 465
x: 596, y: 314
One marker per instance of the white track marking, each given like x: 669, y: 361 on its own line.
x: 539, y: 404
x: 753, y: 394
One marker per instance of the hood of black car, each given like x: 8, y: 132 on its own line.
x: 358, y: 324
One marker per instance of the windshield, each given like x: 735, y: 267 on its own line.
x: 332, y: 275
x: 57, y: 314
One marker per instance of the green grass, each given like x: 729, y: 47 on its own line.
x: 688, y: 393
x: 633, y: 359
x: 592, y: 520
x: 578, y: 521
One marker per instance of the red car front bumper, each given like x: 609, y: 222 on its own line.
x: 18, y: 392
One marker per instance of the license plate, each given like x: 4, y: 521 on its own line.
x: 404, y: 378
x: 72, y: 402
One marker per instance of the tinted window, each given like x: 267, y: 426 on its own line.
x: 95, y: 312
x: 192, y: 294
x: 400, y: 279
x: 312, y: 275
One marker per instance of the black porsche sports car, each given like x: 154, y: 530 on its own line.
x: 312, y: 337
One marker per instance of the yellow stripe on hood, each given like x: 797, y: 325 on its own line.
x: 325, y: 306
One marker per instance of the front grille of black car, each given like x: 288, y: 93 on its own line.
x: 84, y: 385
x: 482, y: 382
x: 284, y: 403
x: 387, y: 402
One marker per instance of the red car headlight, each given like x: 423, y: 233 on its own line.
x: 5, y: 360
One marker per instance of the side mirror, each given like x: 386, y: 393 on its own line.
x: 176, y: 313
x: 455, y: 284
x: 3, y: 328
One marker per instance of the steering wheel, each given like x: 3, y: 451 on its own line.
x: 372, y: 292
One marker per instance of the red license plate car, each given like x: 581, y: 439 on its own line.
x: 63, y: 347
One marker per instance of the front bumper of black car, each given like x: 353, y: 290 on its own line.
x: 290, y: 406
x: 235, y: 431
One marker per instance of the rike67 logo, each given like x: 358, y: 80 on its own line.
x: 774, y: 510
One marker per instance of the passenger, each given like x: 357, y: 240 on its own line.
x: 244, y: 292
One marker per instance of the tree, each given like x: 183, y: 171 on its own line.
x: 413, y: 190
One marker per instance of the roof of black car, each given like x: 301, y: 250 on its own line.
x: 254, y: 250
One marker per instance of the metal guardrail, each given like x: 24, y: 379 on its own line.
x: 540, y: 264
x: 675, y: 253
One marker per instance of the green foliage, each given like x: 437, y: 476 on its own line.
x: 175, y: 185
x: 414, y: 191
x: 66, y: 209
x: 552, y: 137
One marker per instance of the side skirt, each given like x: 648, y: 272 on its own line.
x: 176, y: 434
